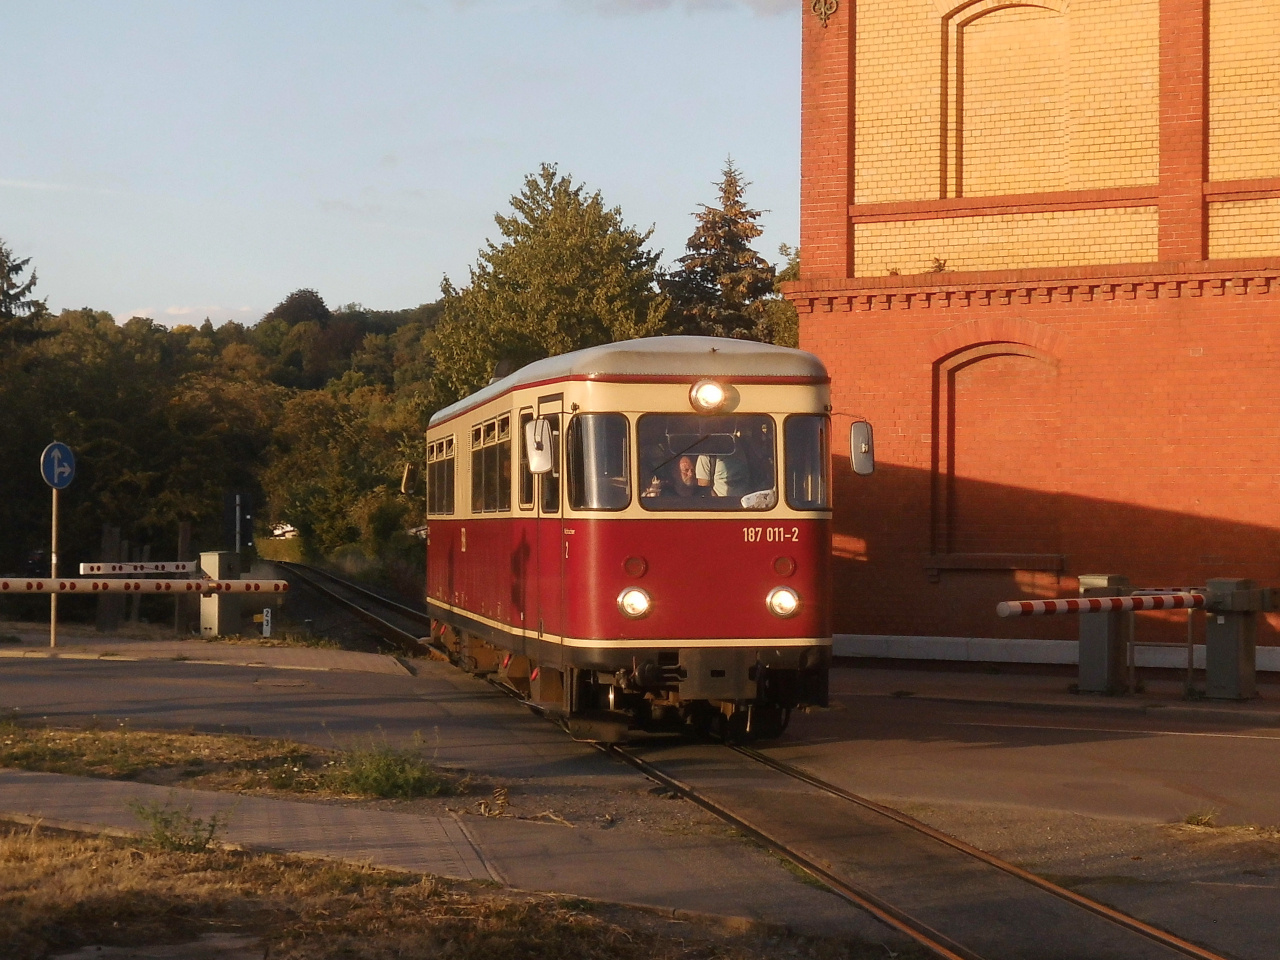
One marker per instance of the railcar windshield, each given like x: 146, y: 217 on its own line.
x: 807, y: 443
x: 599, y: 464
x: 692, y: 462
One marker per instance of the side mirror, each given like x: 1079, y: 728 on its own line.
x: 862, y: 450
x: 537, y: 446
x: 409, y: 481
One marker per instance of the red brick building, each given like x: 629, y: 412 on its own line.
x: 1041, y: 254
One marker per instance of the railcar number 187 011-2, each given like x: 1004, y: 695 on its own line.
x: 771, y: 534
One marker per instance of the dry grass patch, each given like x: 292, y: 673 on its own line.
x: 60, y: 891
x: 238, y: 764
x: 286, y: 639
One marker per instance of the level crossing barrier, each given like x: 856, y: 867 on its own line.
x: 176, y: 566
x: 204, y: 587
x: 1106, y: 607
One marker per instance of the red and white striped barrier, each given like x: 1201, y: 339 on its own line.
x: 46, y: 585
x: 176, y: 566
x: 1040, y: 608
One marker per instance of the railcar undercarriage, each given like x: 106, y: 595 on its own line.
x: 603, y: 694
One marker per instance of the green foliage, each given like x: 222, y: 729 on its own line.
x: 313, y: 410
x: 381, y: 771
x: 569, y: 274
x: 17, y: 307
x: 175, y: 829
x: 721, y: 280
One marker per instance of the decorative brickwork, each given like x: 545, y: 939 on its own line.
x: 1092, y: 382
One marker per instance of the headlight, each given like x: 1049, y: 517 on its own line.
x: 783, y: 602
x: 634, y: 603
x: 707, y: 396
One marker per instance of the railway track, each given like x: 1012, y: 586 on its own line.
x: 957, y: 901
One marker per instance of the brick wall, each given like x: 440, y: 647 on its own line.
x: 1091, y: 385
x: 1008, y: 241
x: 1113, y: 425
x: 1244, y: 228
x: 1244, y: 90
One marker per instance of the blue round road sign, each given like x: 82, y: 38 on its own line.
x: 58, y: 465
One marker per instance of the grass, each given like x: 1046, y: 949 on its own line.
x: 60, y: 892
x: 286, y: 639
x: 234, y: 763
x: 1207, y: 817
x: 176, y: 830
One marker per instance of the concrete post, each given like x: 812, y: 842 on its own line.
x: 1104, y: 637
x: 1230, y: 643
x: 220, y: 612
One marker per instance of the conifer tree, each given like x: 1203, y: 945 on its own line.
x: 17, y: 307
x: 721, y: 278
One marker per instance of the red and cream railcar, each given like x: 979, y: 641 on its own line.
x: 642, y: 527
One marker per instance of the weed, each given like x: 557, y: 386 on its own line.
x: 1208, y: 817
x: 383, y: 771
x: 9, y: 638
x: 175, y: 829
x: 902, y: 693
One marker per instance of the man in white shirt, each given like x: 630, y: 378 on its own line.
x: 726, y: 476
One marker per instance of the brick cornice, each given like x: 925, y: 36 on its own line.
x: 1041, y: 285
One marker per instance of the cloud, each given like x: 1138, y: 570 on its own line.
x: 765, y: 8
x: 50, y: 187
x: 195, y: 315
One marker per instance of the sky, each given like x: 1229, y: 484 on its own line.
x: 183, y: 160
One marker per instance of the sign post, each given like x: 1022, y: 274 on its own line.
x: 58, y: 467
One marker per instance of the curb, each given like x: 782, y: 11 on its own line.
x: 133, y: 656
x: 1209, y: 714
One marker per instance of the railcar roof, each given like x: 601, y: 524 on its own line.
x: 657, y: 357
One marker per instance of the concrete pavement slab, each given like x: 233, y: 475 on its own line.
x: 435, y: 845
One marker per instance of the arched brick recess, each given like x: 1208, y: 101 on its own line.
x: 956, y: 19
x: 995, y: 453
x: 991, y: 329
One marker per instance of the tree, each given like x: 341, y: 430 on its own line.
x: 721, y: 278
x: 568, y: 274
x: 776, y: 317
x: 17, y: 307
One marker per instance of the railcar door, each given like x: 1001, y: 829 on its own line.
x: 551, y: 539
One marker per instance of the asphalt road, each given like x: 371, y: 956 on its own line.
x: 1098, y: 762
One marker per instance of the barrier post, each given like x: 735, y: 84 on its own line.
x: 1230, y: 639
x: 220, y: 613
x: 1104, y: 637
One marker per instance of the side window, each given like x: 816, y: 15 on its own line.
x: 477, y: 469
x: 597, y: 457
x: 503, y: 465
x: 526, y: 478
x: 440, y: 467
x: 807, y: 439
x: 551, y: 481
x: 491, y: 466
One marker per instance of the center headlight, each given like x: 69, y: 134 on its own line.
x: 634, y: 603
x: 783, y: 602
x: 707, y: 396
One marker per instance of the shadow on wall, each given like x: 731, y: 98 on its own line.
x: 914, y: 559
